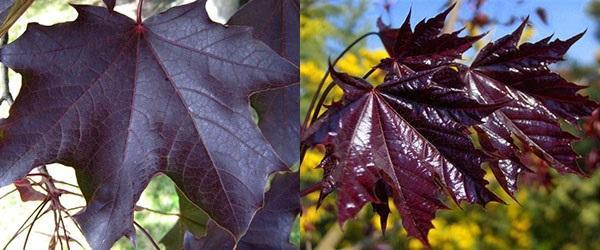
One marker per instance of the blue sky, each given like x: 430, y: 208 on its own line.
x: 565, y: 18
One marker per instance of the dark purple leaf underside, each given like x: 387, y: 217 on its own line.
x: 270, y: 228
x: 278, y: 110
x: 121, y: 102
x: 409, y: 133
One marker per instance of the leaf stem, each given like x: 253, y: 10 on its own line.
x: 313, y: 188
x: 67, y: 237
x: 7, y: 194
x: 304, y: 148
x: 369, y: 73
x: 307, y: 118
x: 139, y: 11
x: 24, y: 225
x: 322, y: 82
x: 147, y: 235
x: 158, y: 212
x: 57, y: 228
x: 37, y: 216
x: 66, y: 211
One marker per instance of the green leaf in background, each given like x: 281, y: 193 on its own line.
x: 10, y: 11
x: 173, y: 240
x: 191, y: 219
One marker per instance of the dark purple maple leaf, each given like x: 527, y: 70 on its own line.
x: 121, y: 100
x: 539, y: 98
x: 10, y: 11
x: 405, y: 138
x: 270, y: 228
x: 278, y: 110
x: 5, y: 6
x: 426, y: 46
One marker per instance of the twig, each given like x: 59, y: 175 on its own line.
x: 147, y: 235
x: 139, y: 11
x: 5, y: 94
x: 313, y: 188
x: 66, y: 183
x: 48, y: 180
x: 64, y: 230
x: 57, y: 229
x: 70, y: 239
x: 322, y: 82
x: 39, y: 174
x: 24, y: 224
x: 37, y: 216
x: 66, y: 211
x: 74, y: 208
x: 156, y: 211
x: 71, y: 193
x: 307, y: 119
x: 31, y: 223
x: 7, y: 194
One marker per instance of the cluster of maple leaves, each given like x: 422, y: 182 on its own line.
x: 121, y: 100
x: 427, y: 130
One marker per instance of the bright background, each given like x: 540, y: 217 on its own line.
x: 565, y: 214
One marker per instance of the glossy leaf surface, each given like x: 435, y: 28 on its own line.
x: 121, y: 101
x: 428, y: 129
x: 426, y: 46
x: 539, y: 99
x: 405, y: 139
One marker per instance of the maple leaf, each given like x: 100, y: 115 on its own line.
x: 4, y: 9
x: 278, y: 110
x: 425, y: 47
x: 121, y: 100
x: 410, y: 134
x: 270, y: 228
x: 539, y: 99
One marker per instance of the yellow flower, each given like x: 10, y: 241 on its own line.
x: 308, y: 171
x: 311, y: 73
x: 309, y: 216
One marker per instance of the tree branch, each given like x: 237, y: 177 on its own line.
x: 4, y: 90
